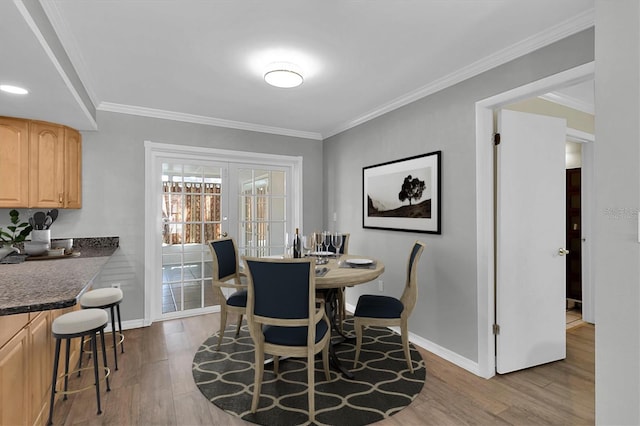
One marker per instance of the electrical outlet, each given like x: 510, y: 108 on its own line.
x: 115, y: 285
x: 381, y: 285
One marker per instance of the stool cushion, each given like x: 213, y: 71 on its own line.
x: 101, y: 297
x: 80, y: 321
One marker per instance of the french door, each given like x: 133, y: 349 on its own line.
x: 198, y: 198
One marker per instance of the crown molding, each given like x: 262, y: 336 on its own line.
x: 199, y: 119
x: 558, y: 32
x: 569, y: 102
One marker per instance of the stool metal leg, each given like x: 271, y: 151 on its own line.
x: 66, y: 368
x: 104, y: 359
x: 53, y: 381
x: 113, y: 333
x: 94, y: 348
x: 120, y: 327
x: 81, y: 353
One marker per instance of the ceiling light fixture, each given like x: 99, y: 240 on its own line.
x: 283, y: 74
x: 13, y: 89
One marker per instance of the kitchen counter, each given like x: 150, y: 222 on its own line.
x: 43, y: 285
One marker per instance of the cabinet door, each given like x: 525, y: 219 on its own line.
x: 14, y: 392
x: 72, y: 169
x: 14, y: 162
x: 46, y: 159
x: 40, y: 366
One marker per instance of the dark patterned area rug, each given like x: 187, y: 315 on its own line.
x: 382, y: 385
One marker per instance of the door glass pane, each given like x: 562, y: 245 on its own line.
x: 262, y: 215
x: 191, y: 206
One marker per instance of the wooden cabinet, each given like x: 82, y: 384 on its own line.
x: 14, y: 162
x: 47, y: 172
x: 14, y: 380
x: 40, y: 367
x: 26, y: 366
x: 72, y: 169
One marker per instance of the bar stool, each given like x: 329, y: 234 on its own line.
x: 103, y: 298
x: 86, y: 322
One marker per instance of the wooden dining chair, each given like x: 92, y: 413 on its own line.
x: 387, y: 311
x: 226, y: 274
x: 285, y: 318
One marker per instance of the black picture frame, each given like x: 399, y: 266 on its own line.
x: 388, y: 187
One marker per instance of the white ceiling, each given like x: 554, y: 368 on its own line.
x: 202, y: 61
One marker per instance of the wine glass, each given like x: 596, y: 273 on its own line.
x: 336, y: 240
x: 326, y: 240
x: 288, y: 242
x: 307, y: 244
x: 317, y: 241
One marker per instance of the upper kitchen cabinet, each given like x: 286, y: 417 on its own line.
x: 14, y: 162
x: 50, y: 166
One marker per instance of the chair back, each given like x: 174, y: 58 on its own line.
x: 410, y: 293
x: 225, y: 259
x: 280, y: 289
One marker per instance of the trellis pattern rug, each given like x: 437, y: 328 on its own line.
x: 382, y: 385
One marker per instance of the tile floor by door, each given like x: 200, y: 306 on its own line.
x: 190, y: 289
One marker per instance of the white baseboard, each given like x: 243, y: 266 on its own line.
x: 436, y: 349
x: 128, y: 325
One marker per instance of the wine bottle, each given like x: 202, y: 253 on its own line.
x: 297, y: 245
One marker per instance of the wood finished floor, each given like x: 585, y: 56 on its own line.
x: 154, y: 386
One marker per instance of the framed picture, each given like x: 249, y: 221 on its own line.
x: 403, y: 195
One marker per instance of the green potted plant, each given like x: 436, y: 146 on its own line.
x: 18, y: 232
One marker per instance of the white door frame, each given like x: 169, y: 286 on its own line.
x: 485, y: 196
x: 153, y: 217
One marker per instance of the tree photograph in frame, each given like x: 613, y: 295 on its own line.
x: 403, y: 195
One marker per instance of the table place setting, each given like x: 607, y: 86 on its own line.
x: 357, y: 263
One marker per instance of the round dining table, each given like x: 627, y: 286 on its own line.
x: 343, y: 271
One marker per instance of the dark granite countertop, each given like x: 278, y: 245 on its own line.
x: 42, y: 285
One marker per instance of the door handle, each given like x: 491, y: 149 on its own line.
x: 224, y: 235
x: 562, y: 251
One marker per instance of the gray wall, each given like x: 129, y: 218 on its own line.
x: 617, y: 182
x: 114, y: 186
x: 446, y: 312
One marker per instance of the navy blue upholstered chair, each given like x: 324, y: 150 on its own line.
x: 285, y: 319
x: 386, y: 311
x: 226, y: 274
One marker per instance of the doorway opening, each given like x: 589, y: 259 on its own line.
x: 484, y: 199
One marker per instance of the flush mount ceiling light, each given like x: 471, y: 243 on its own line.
x: 283, y: 74
x: 13, y: 89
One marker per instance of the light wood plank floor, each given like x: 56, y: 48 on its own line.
x: 154, y: 386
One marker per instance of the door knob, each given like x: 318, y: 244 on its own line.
x: 224, y: 235
x: 562, y: 251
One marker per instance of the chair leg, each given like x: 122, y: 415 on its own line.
x: 405, y: 344
x: 276, y: 364
x: 113, y: 334
x: 257, y: 379
x: 358, y: 329
x: 94, y: 349
x: 53, y: 381
x: 223, y: 324
x: 81, y: 353
x: 325, y: 360
x: 239, y: 324
x: 66, y: 367
x: 104, y: 359
x: 120, y: 327
x: 311, y: 384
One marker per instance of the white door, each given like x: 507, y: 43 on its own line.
x: 530, y: 237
